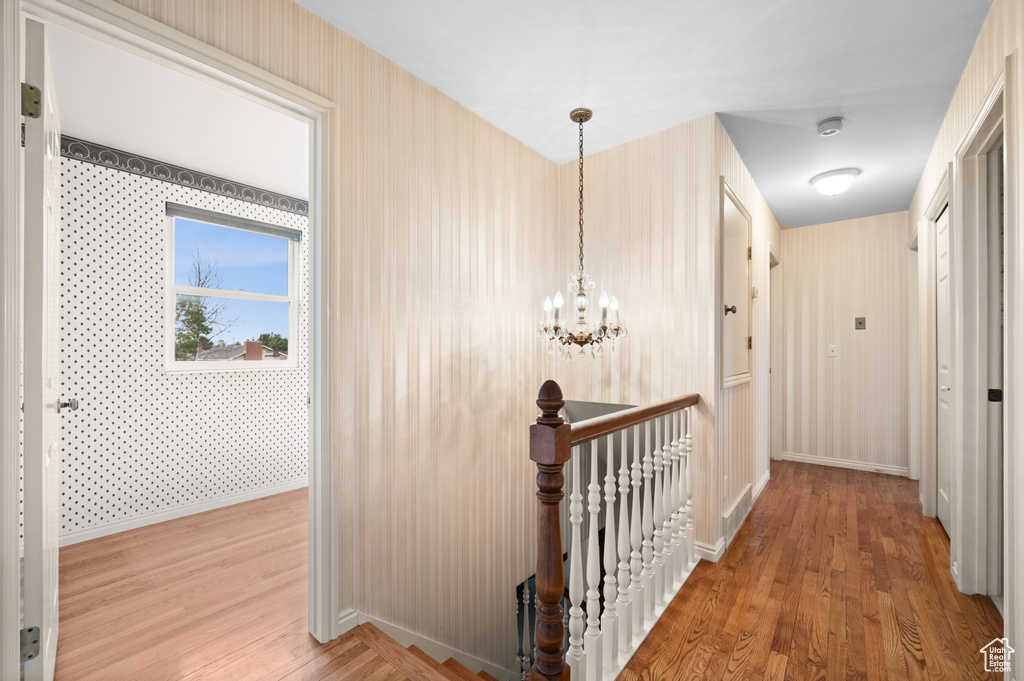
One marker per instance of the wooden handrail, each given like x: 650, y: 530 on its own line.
x: 591, y: 429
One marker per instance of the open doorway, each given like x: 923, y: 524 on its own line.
x: 141, y: 447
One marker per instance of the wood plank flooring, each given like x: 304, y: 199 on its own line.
x: 218, y: 595
x: 835, y: 575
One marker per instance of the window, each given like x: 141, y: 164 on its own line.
x: 231, y: 292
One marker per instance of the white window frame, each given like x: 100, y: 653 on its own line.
x: 172, y: 290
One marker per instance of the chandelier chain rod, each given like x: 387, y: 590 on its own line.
x: 581, y: 198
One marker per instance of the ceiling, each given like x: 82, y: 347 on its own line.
x: 119, y: 100
x: 770, y: 69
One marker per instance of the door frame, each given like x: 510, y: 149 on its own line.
x: 1013, y: 367
x: 777, y: 402
x: 973, y: 541
x: 114, y: 24
x: 11, y: 259
x: 924, y: 243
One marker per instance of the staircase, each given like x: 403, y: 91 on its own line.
x: 411, y: 662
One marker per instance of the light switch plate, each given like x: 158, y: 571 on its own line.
x: 860, y: 323
x: 833, y: 351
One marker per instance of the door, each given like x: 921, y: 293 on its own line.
x: 943, y: 375
x: 42, y: 369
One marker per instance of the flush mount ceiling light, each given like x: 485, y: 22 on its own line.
x: 830, y: 126
x: 563, y: 334
x: 835, y: 181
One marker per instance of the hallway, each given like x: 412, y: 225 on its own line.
x: 834, y: 575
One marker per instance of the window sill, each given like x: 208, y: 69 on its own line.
x: 224, y: 367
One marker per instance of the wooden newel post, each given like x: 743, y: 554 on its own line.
x: 550, y: 448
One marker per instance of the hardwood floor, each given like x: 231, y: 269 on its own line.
x: 219, y: 595
x: 835, y: 575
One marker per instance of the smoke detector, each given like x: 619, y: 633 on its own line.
x: 830, y: 126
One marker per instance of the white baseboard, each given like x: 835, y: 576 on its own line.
x: 349, y: 619
x: 839, y: 463
x: 179, y: 512
x: 708, y: 552
x: 761, y: 484
x: 733, y: 518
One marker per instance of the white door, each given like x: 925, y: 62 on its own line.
x: 778, y: 403
x: 943, y: 375
x: 42, y: 369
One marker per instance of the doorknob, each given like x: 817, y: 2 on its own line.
x: 71, y: 404
x: 730, y: 308
x: 944, y: 388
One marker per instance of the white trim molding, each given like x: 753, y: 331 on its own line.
x: 927, y: 359
x: 11, y: 236
x: 709, y: 552
x: 974, y: 544
x: 759, y: 487
x: 179, y: 512
x: 840, y: 463
x: 1013, y: 370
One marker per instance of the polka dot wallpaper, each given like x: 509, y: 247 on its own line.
x: 145, y: 441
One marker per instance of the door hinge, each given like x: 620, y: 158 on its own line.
x: 750, y: 342
x: 29, y: 643
x: 22, y: 135
x: 750, y: 252
x: 31, y: 101
x: 995, y: 395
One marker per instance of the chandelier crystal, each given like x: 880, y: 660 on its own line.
x: 569, y: 337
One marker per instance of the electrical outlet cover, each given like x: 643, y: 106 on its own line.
x: 860, y: 323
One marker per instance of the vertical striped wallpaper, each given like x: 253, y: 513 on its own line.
x: 433, y: 285
x: 1002, y: 34
x: 744, y: 410
x: 449, y: 235
x: 852, y: 407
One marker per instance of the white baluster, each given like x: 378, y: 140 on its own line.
x: 691, y: 537
x: 684, y: 542
x: 609, y: 620
x: 574, y: 656
x: 623, y: 605
x: 669, y: 471
x: 659, y: 518
x: 677, y: 501
x: 636, y: 560
x: 592, y: 639
x: 647, y: 573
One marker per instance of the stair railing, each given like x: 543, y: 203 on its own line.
x: 647, y: 555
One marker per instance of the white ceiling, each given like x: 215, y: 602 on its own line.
x: 123, y: 101
x: 772, y: 69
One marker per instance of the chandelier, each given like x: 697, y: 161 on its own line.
x: 565, y: 335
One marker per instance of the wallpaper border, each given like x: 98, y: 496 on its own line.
x: 90, y: 152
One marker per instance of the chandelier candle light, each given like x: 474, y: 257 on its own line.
x: 564, y: 334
